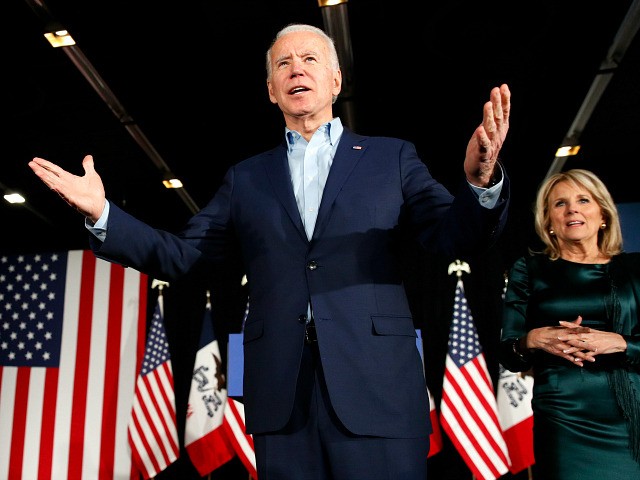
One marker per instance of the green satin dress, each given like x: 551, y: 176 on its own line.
x: 579, y: 429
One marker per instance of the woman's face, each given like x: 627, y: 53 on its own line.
x: 574, y: 214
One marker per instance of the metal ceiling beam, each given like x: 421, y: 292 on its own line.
x: 626, y: 33
x: 89, y: 72
x: 335, y: 17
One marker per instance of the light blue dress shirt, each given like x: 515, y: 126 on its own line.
x: 309, y: 164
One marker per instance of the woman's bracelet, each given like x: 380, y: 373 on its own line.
x: 516, y: 349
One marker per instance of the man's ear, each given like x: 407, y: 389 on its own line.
x: 337, y: 82
x: 272, y: 97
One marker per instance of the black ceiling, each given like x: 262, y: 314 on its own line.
x: 191, y: 76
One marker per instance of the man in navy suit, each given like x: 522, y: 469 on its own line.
x: 334, y: 385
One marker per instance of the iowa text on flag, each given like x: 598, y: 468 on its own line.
x: 516, y: 417
x: 468, y: 409
x: 153, y: 433
x: 71, y: 334
x: 204, y: 438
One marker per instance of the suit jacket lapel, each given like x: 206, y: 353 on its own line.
x: 276, y: 167
x: 350, y: 150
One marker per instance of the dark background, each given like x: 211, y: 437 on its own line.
x: 190, y: 75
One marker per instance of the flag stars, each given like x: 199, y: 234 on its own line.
x: 30, y: 309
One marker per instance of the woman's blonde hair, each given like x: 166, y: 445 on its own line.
x: 609, y: 237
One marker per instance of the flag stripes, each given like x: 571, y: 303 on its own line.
x: 76, y: 319
x: 243, y: 444
x: 468, y: 409
x: 153, y: 433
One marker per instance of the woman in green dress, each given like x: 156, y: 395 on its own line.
x: 571, y: 316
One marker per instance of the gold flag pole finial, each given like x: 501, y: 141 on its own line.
x: 159, y: 283
x: 458, y: 267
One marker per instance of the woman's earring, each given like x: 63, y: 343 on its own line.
x: 603, y: 226
x: 551, y: 232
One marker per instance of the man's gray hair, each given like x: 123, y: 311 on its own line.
x: 301, y: 27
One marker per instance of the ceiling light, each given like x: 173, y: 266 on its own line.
x: 14, y: 198
x: 60, y: 38
x: 567, y: 151
x: 330, y: 3
x: 170, y: 181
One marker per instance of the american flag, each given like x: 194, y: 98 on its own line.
x: 242, y: 442
x: 468, y: 411
x: 205, y: 440
x: 71, y: 333
x: 153, y: 433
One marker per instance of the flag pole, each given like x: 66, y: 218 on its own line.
x: 479, y: 441
x: 458, y: 267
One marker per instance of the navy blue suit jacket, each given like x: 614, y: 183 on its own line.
x: 377, y: 188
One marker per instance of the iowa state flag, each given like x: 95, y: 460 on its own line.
x: 516, y: 417
x: 435, y: 439
x: 206, y: 442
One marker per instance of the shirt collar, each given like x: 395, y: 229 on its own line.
x: 334, y: 129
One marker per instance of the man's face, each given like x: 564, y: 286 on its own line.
x: 302, y: 81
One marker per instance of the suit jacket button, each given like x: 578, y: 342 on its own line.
x: 302, y: 319
x: 312, y: 265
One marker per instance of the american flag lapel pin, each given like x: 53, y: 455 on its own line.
x: 357, y: 147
